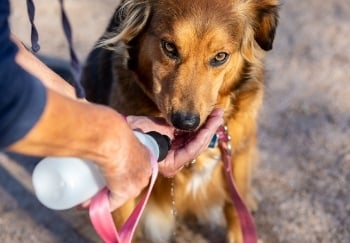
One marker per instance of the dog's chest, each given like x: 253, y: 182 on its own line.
x: 204, y: 191
x: 201, y: 175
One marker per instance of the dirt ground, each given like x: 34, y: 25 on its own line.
x: 303, y: 177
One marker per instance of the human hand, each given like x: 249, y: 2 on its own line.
x: 186, y: 148
x: 127, y: 180
x: 126, y: 164
x: 147, y: 124
x: 126, y: 175
x: 130, y: 174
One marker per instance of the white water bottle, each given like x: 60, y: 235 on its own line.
x: 65, y: 182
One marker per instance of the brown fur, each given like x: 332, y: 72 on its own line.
x: 140, y: 73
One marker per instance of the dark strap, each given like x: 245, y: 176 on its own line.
x: 34, y: 35
x: 76, y: 67
x: 75, y: 64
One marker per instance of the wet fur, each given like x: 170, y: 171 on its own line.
x: 132, y: 73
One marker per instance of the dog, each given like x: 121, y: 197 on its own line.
x: 180, y: 59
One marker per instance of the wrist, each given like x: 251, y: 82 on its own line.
x: 113, y: 133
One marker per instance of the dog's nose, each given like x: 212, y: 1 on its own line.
x: 185, y: 121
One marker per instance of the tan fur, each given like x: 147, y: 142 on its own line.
x: 144, y: 80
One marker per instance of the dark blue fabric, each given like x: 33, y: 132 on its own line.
x: 22, y: 96
x: 75, y: 64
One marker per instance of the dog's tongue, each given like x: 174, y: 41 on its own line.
x: 181, y: 138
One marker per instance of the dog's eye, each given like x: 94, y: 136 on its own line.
x: 170, y: 49
x: 219, y: 59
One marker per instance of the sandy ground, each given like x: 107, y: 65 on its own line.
x: 304, y: 173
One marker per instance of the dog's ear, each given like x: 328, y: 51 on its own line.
x: 260, y: 18
x: 127, y: 22
x: 266, y: 24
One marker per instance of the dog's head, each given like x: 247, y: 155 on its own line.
x: 189, y: 54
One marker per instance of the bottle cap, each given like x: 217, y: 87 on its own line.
x: 163, y: 142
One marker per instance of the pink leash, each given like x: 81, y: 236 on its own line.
x: 103, y: 223
x: 102, y: 220
x: 245, y: 218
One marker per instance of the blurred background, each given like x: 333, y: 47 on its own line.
x: 303, y: 178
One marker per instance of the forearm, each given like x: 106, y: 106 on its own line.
x: 34, y: 66
x: 69, y: 128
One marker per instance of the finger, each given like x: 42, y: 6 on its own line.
x: 200, y: 141
x: 84, y: 205
x: 177, y: 158
x: 146, y: 124
x: 216, y: 112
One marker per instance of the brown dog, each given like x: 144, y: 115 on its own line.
x: 179, y: 60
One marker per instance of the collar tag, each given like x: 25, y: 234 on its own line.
x: 214, y: 141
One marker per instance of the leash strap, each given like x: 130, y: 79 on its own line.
x: 75, y: 64
x: 103, y: 223
x: 102, y: 220
x: 34, y: 35
x: 245, y: 218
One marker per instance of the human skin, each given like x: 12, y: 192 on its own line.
x: 74, y: 127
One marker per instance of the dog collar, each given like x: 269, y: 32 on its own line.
x: 221, y: 134
x: 214, y: 141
